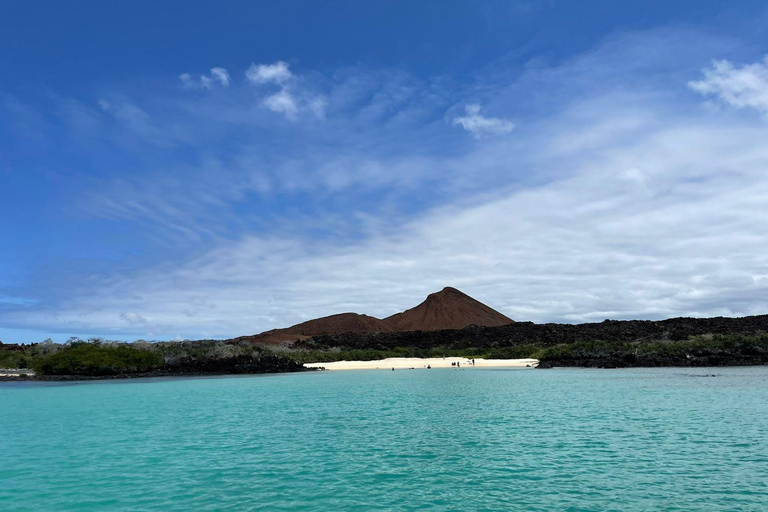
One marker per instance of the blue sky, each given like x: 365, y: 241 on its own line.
x: 198, y: 170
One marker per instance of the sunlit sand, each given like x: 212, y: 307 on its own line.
x: 403, y: 363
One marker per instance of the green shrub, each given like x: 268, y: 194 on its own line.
x: 94, y: 359
x: 13, y: 359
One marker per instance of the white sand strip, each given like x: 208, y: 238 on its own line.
x: 16, y: 372
x: 401, y: 363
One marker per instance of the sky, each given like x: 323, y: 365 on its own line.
x: 174, y: 170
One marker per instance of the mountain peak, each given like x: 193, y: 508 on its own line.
x: 448, y: 290
x: 447, y: 309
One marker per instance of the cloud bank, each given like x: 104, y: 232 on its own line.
x: 616, y: 198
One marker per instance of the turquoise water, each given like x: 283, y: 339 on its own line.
x: 647, y: 439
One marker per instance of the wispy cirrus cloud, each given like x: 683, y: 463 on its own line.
x: 576, y: 249
x: 479, y: 125
x: 616, y: 198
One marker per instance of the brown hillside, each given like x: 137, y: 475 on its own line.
x: 339, y: 324
x: 446, y: 309
x: 335, y: 324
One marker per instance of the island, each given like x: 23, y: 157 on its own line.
x: 448, y: 327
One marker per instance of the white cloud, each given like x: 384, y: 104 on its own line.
x: 669, y: 222
x: 478, y: 125
x: 218, y: 76
x: 739, y: 86
x: 317, y: 106
x: 221, y: 75
x: 607, y: 206
x: 132, y: 318
x: 282, y: 102
x: 289, y: 100
x: 277, y: 73
x: 186, y: 80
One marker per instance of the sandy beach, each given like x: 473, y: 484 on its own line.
x: 16, y: 372
x: 404, y: 363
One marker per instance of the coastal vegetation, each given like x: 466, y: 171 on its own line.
x: 304, y: 355
x: 422, y: 332
x: 101, y: 358
x: 697, y: 350
x: 704, y: 350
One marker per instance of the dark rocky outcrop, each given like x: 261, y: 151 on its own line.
x: 727, y: 359
x: 546, y: 335
x: 234, y: 365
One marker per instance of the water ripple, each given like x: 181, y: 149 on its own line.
x: 483, y: 440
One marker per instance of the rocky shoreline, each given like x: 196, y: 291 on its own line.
x: 545, y: 335
x: 146, y: 375
x: 183, y: 367
x: 678, y: 342
x: 635, y: 362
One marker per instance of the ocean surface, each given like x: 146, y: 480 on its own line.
x: 469, y: 439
